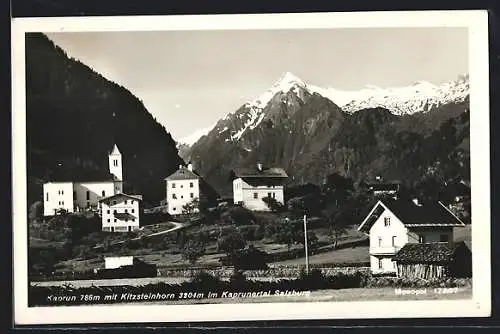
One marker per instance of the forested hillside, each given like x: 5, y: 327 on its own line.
x: 74, y: 116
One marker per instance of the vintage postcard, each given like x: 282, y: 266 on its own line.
x: 251, y: 167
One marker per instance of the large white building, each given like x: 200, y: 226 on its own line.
x: 120, y: 213
x: 77, y: 193
x: 182, y: 187
x: 252, y: 185
x: 393, y: 223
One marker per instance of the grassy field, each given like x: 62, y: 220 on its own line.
x: 346, y: 255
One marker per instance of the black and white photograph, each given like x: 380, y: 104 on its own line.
x: 176, y: 168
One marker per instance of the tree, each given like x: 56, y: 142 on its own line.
x: 337, y: 226
x: 231, y: 243
x: 288, y: 233
x: 193, y: 250
x: 273, y: 204
x: 191, y: 207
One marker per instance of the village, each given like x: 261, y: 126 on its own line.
x: 404, y: 238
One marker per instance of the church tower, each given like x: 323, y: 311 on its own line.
x: 115, y: 163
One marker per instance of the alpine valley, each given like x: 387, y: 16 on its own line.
x: 406, y: 134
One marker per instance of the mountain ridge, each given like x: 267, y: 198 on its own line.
x: 421, y: 96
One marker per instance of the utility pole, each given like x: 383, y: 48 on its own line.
x: 305, y: 243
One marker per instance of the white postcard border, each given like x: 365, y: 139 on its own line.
x: 479, y: 306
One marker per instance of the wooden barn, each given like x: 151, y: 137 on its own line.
x: 434, y: 260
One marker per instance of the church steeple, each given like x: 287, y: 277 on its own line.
x: 115, y: 163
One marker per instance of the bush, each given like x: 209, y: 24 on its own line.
x: 251, y: 232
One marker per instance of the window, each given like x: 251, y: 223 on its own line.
x: 113, y: 203
x: 88, y: 195
x: 191, y: 195
x: 387, y: 221
x: 255, y: 195
x: 443, y: 238
x: 191, y: 185
x: 182, y: 196
x: 109, y: 220
x: 115, y: 162
x: 274, y: 195
x: 174, y: 196
x: 182, y: 186
x: 47, y: 197
x: 174, y: 208
x: 173, y: 185
x: 103, y: 193
x: 130, y: 228
x: 74, y: 195
x: 133, y: 219
x: 109, y: 211
x: 394, y: 241
x: 126, y: 219
x: 132, y: 210
x: 380, y: 264
x: 126, y: 211
x: 421, y: 239
x: 125, y: 202
x: 269, y: 195
x: 115, y: 220
x: 114, y: 211
x: 62, y: 203
x: 380, y: 241
x: 62, y: 192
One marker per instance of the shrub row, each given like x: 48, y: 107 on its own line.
x: 276, y: 272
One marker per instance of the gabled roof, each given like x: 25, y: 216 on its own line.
x: 411, y: 214
x: 109, y: 198
x: 383, y: 186
x: 183, y: 173
x: 436, y: 252
x: 270, y: 172
x: 115, y: 150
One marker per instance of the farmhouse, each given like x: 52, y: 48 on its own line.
x: 182, y: 187
x: 393, y: 223
x: 433, y: 260
x: 120, y: 212
x: 75, y: 193
x: 251, y: 186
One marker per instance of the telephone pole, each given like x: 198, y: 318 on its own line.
x: 305, y: 244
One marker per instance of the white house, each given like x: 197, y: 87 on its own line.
x: 182, y: 187
x: 120, y: 213
x: 252, y: 185
x: 113, y: 262
x: 393, y: 223
x: 74, y: 193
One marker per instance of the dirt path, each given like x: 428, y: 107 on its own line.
x: 176, y: 227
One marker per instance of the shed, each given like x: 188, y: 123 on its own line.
x: 433, y: 260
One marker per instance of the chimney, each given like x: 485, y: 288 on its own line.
x: 190, y: 167
x: 259, y: 166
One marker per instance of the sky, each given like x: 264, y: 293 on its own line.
x: 189, y: 79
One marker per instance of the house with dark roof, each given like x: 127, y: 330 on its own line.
x: 182, y: 187
x: 393, y: 223
x: 252, y: 185
x: 120, y: 212
x: 79, y: 190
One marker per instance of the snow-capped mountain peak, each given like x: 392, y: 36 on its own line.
x: 421, y: 96
x: 285, y: 83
